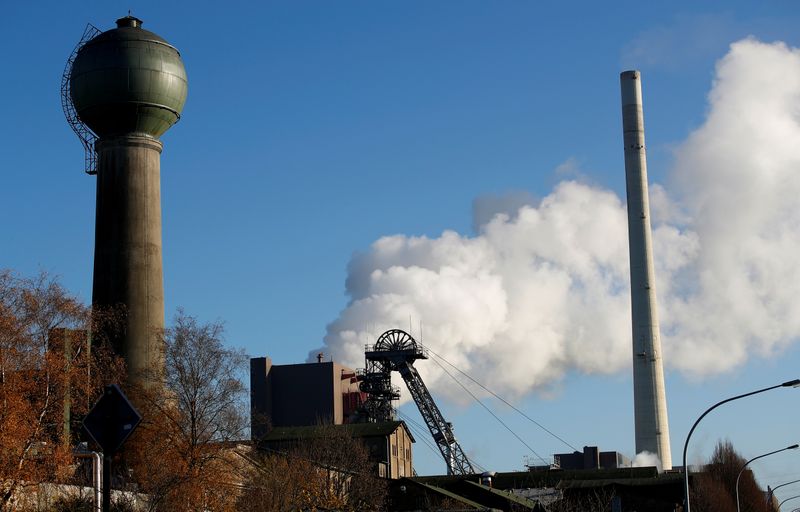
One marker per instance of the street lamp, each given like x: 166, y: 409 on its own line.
x: 793, y: 447
x: 771, y: 492
x: 787, y: 499
x: 792, y: 383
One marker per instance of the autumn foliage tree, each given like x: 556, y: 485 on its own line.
x: 714, y: 490
x: 182, y: 455
x: 49, y: 376
x: 345, y: 478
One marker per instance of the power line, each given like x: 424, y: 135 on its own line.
x: 423, y: 434
x: 422, y: 431
x: 488, y: 409
x: 498, y: 397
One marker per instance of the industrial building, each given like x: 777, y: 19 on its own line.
x: 591, y: 458
x: 306, y: 394
x: 293, y: 402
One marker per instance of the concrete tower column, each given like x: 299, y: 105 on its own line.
x: 128, y: 268
x: 649, y: 395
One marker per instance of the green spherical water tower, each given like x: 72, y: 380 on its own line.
x: 122, y: 90
x: 128, y: 81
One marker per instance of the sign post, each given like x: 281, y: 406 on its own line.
x: 110, y: 422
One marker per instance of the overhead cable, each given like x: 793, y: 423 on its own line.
x: 500, y: 398
x: 488, y: 410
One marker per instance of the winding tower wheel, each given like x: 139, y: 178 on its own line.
x: 396, y: 350
x: 396, y: 340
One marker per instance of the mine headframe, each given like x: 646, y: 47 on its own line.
x: 396, y: 350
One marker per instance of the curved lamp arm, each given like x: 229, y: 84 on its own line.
x: 793, y: 447
x: 792, y: 383
x: 771, y: 492
x: 787, y: 499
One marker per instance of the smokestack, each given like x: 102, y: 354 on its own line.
x: 128, y: 85
x: 649, y: 396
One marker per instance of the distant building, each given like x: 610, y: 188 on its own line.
x: 306, y: 394
x: 591, y: 458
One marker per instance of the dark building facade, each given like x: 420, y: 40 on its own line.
x: 591, y: 458
x: 305, y: 394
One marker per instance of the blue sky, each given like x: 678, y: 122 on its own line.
x: 313, y: 129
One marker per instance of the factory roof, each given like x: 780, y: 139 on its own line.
x: 520, y: 501
x: 454, y: 496
x: 663, y: 479
x: 548, y: 477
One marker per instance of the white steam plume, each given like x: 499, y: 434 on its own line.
x: 646, y: 459
x: 543, y: 288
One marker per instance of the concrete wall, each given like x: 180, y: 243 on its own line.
x: 400, y: 454
x: 128, y: 270
x: 302, y: 394
x: 298, y: 394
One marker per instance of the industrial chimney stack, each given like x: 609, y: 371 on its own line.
x: 649, y: 396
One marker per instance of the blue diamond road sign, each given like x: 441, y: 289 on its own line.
x: 111, y: 420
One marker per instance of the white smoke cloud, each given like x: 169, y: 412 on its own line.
x: 645, y: 460
x: 543, y: 288
x: 737, y: 177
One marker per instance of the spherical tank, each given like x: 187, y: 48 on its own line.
x: 128, y: 81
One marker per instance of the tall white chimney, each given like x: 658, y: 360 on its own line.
x: 649, y: 397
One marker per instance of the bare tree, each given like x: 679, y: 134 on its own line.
x: 181, y: 454
x: 349, y: 477
x: 278, y: 482
x: 327, y: 470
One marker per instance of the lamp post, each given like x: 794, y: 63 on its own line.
x: 771, y: 492
x: 787, y: 499
x: 793, y: 447
x: 792, y: 383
